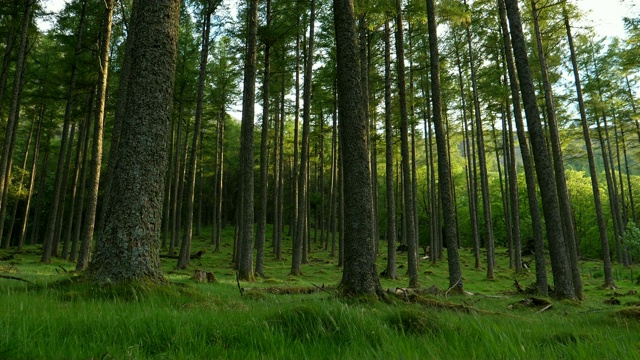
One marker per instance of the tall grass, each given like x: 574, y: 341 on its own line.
x: 60, y: 317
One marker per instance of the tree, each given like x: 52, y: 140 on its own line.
x: 245, y: 261
x: 128, y: 248
x: 390, y: 272
x: 544, y: 170
x: 359, y: 275
x: 602, y: 227
x: 264, y: 166
x: 98, y: 135
x: 13, y: 119
x: 444, y: 167
x: 561, y: 182
x: 303, y: 183
x: 185, y: 248
x: 406, y: 159
x: 529, y: 172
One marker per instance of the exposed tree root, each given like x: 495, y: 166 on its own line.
x: 16, y: 278
x: 294, y: 290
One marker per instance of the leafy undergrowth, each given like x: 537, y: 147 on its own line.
x: 55, y: 314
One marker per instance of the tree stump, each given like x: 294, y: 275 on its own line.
x: 204, y: 276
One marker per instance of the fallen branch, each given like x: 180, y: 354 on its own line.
x: 545, y: 308
x: 15, y: 278
x: 195, y: 256
x: 321, y: 288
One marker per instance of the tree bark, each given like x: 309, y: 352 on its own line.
x: 245, y: 262
x: 595, y: 187
x: 264, y: 158
x: 359, y: 273
x: 128, y: 248
x: 185, y: 248
x: 482, y: 162
x: 561, y: 182
x: 560, y: 266
x: 444, y: 174
x: 527, y: 160
x: 407, y: 184
x: 13, y: 119
x: 390, y: 272
x: 302, y: 191
x: 98, y: 136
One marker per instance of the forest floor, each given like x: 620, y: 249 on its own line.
x: 47, y: 312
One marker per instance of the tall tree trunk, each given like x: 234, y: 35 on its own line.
x: 595, y: 187
x: 219, y: 181
x: 412, y: 255
x: 444, y: 174
x: 613, y: 187
x: 298, y: 240
x: 561, y: 183
x: 128, y: 248
x: 168, y: 198
x: 32, y: 181
x: 65, y: 179
x: 75, y: 241
x: 176, y: 198
x: 470, y: 165
x: 335, y: 182
x: 296, y: 131
x: 390, y: 272
x: 359, y: 274
x: 626, y: 165
x: 13, y: 119
x: 6, y: 59
x: 185, y: 247
x: 50, y: 245
x: 527, y: 160
x: 276, y: 235
x: 80, y: 153
x: 98, y: 135
x: 25, y: 159
x: 245, y: 263
x: 264, y: 159
x: 482, y: 160
x: 560, y: 265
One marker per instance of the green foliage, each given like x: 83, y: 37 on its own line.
x: 632, y: 239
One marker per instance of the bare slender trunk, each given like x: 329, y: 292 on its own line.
x: 444, y: 167
x: 98, y: 136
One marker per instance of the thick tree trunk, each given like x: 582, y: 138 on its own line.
x: 128, y: 248
x: 359, y: 275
